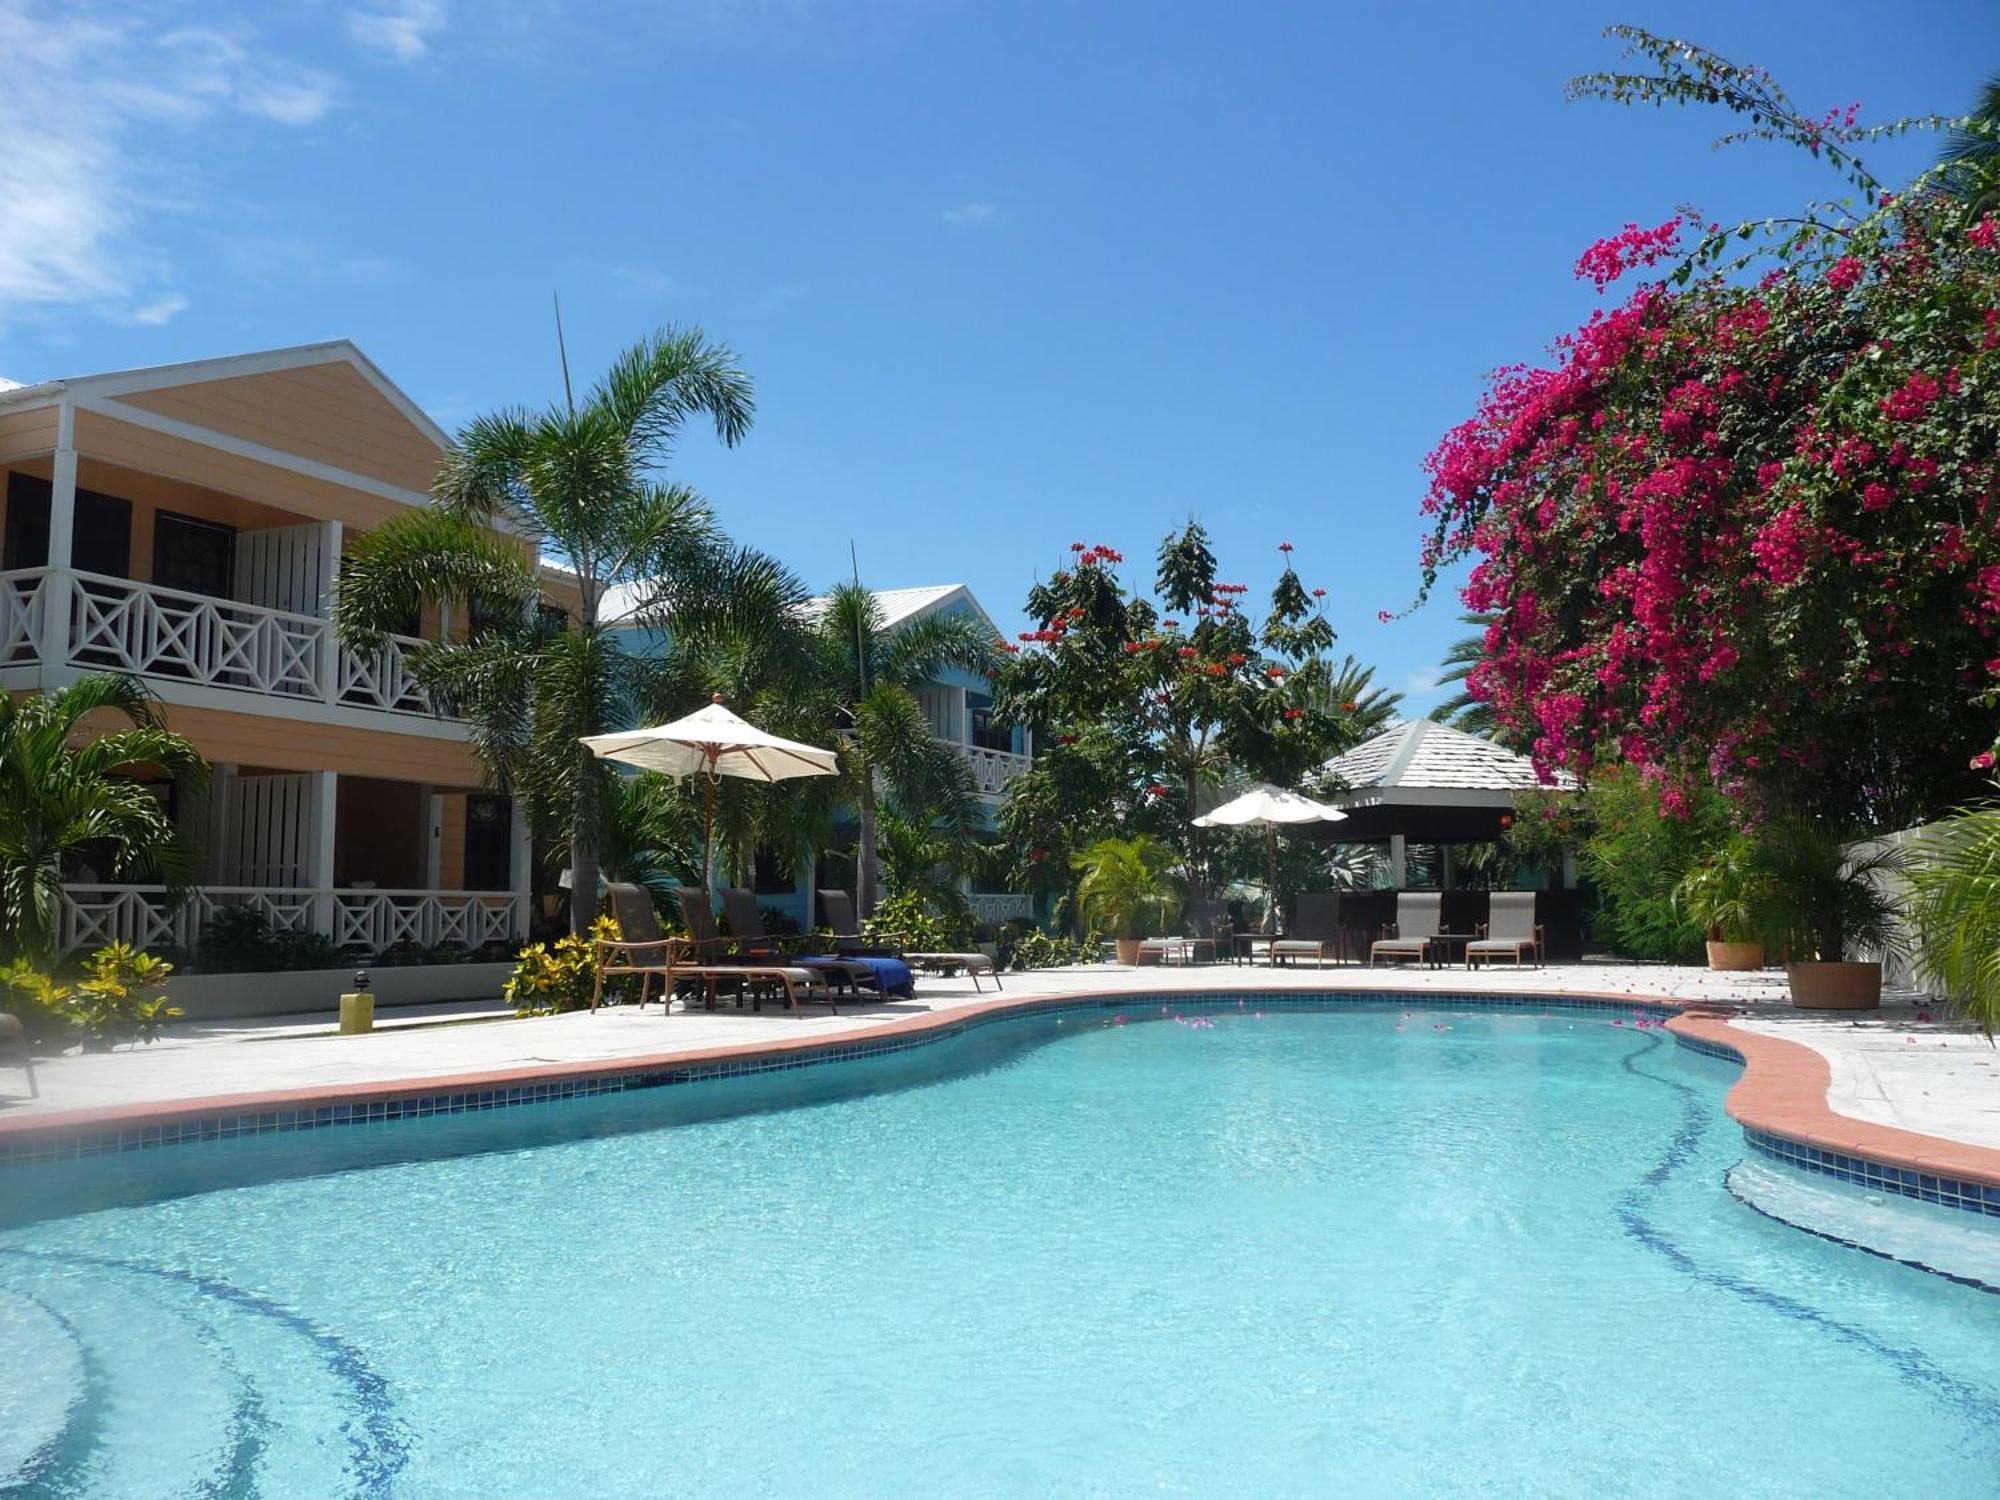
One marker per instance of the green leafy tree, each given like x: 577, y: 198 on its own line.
x: 67, y: 791
x: 1144, y: 707
x: 1955, y: 911
x: 868, y: 677
x: 580, y: 485
x: 1971, y: 161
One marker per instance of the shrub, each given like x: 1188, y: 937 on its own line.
x: 1041, y: 950
x: 908, y: 917
x: 559, y: 976
x: 110, y: 1004
x: 36, y: 1000
x: 241, y: 940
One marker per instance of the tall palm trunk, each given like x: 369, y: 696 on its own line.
x: 866, y: 865
x: 583, y: 846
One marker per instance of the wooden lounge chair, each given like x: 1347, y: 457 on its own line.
x: 753, y: 943
x: 1315, y: 930
x: 836, y: 910
x: 1204, y: 925
x: 1509, y: 931
x: 1417, y: 914
x: 643, y: 949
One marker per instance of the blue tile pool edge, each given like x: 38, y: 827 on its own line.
x: 57, y: 1144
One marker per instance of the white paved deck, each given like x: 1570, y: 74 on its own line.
x: 1888, y: 1067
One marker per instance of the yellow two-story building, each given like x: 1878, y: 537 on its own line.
x: 185, y: 524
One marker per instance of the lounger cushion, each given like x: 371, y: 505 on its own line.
x: 977, y: 961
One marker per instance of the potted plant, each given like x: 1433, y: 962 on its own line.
x: 1124, y: 889
x: 1829, y: 896
x: 1723, y: 894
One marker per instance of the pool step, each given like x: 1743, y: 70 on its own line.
x: 148, y: 1381
x: 1949, y: 1241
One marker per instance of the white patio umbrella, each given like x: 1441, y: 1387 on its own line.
x: 712, y: 743
x: 1270, y: 808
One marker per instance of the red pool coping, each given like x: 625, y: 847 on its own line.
x: 1782, y: 1091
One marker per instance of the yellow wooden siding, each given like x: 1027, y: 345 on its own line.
x: 290, y: 745
x: 27, y: 432
x: 451, y: 843
x: 138, y: 448
x: 328, y: 412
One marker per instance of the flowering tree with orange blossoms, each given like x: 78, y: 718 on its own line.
x: 1747, y: 529
x: 1141, y: 704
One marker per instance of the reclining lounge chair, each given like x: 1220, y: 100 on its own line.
x: 642, y: 949
x: 1510, y: 931
x: 836, y: 910
x: 1417, y: 915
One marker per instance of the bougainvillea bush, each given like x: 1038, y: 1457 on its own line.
x: 1742, y: 529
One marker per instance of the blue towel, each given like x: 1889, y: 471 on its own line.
x: 892, y: 975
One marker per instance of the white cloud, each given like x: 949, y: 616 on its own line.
x: 967, y: 214
x: 93, y: 135
x: 155, y: 314
x: 1419, y: 682
x: 400, y: 30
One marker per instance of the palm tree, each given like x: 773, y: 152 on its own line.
x: 1956, y: 911
x: 59, y: 797
x: 872, y: 674
x: 1971, y: 157
x: 1461, y: 710
x: 579, y: 486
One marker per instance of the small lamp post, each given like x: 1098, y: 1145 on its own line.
x: 357, y: 1009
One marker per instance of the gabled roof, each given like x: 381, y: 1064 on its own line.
x: 900, y: 606
x: 1425, y: 757
x: 115, y: 384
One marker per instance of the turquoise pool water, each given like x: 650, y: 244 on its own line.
x: 1374, y: 1251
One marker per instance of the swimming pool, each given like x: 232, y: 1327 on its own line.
x: 1379, y: 1250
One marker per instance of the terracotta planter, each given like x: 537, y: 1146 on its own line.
x: 1835, y: 986
x: 1734, y: 957
x: 1128, y: 951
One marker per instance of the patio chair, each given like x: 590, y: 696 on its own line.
x: 1315, y: 929
x: 836, y: 911
x: 14, y: 1046
x: 746, y: 927
x: 1509, y: 931
x: 1416, y: 924
x: 643, y: 949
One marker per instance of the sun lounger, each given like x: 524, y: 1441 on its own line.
x: 746, y: 926
x: 1315, y: 930
x: 1510, y: 931
x: 836, y: 910
x: 642, y: 949
x: 1416, y: 924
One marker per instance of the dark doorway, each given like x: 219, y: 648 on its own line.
x: 489, y: 843
x: 103, y: 539
x: 194, y: 555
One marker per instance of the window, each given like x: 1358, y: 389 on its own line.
x: 194, y: 555
x: 102, y: 542
x: 984, y: 731
x: 489, y: 842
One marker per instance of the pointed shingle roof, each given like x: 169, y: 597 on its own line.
x: 1432, y: 760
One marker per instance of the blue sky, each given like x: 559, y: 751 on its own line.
x: 1007, y: 275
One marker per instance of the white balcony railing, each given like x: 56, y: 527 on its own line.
x: 993, y: 769
x: 123, y: 626
x: 119, y: 625
x: 381, y: 678
x: 1001, y: 906
x: 366, y: 921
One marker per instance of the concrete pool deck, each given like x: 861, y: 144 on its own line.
x: 1884, y: 1083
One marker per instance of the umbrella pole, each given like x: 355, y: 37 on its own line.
x: 1271, y: 870
x: 708, y: 839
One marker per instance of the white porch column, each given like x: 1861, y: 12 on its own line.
x: 330, y: 536
x: 1448, y: 866
x: 321, y: 821
x: 961, y: 717
x: 520, y: 866
x: 812, y: 891
x: 1399, y: 861
x: 1569, y: 870
x: 58, y: 587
